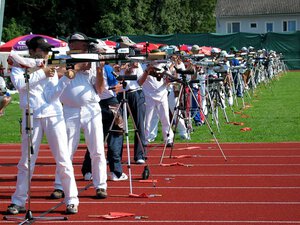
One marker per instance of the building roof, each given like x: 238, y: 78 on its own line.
x: 228, y: 8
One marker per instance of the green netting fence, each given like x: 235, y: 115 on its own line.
x: 286, y: 43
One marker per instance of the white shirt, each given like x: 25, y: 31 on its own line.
x: 154, y: 88
x: 81, y: 90
x: 106, y: 92
x: 42, y: 98
x: 133, y: 84
x: 179, y: 66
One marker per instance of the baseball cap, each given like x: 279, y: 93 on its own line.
x: 215, y: 50
x: 39, y: 42
x: 195, y: 49
x: 234, y: 49
x: 77, y: 36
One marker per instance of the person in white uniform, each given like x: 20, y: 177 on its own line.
x: 47, y: 119
x: 109, y: 105
x: 174, y: 93
x: 156, y: 97
x: 82, y: 111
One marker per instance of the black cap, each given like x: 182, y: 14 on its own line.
x: 39, y: 42
x: 77, y: 36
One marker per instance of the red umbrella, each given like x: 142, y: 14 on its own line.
x: 110, y: 44
x: 19, y: 43
x: 206, y: 50
x: 185, y: 48
x: 142, y: 46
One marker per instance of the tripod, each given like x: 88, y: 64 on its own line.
x: 239, y: 83
x: 125, y: 109
x: 182, y: 95
x: 29, y: 218
x: 215, y: 92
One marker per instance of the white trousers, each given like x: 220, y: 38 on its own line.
x: 203, y: 94
x: 162, y: 109
x: 88, y: 118
x: 153, y: 129
x: 55, y: 130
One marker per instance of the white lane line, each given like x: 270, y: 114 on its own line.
x: 167, y: 202
x: 160, y: 188
x: 177, y: 221
x: 186, y: 165
x: 192, y: 156
x: 175, y: 175
x: 200, y: 148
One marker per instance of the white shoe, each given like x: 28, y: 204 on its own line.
x: 151, y: 139
x: 88, y: 176
x: 113, y: 177
x: 140, y: 161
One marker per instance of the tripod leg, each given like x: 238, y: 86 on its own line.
x: 211, y: 100
x: 136, y: 131
x: 175, y: 115
x: 113, y: 122
x: 221, y: 97
x: 125, y: 128
x: 233, y: 87
x: 210, y: 129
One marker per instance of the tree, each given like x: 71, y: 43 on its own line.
x: 102, y: 18
x: 13, y: 30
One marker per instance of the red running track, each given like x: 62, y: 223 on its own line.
x: 258, y: 184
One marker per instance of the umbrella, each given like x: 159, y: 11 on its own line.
x: 206, y: 50
x: 185, y: 48
x: 19, y: 43
x: 142, y: 46
x: 110, y: 44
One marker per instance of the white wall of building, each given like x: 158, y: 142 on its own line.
x: 261, y: 21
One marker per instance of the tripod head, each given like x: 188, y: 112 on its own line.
x: 123, y: 78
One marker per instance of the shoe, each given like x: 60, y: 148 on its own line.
x: 57, y: 194
x: 140, y: 161
x: 198, y: 124
x: 71, y: 209
x: 170, y: 144
x: 88, y: 176
x: 14, y: 209
x: 113, y: 177
x: 101, y: 193
x: 151, y: 140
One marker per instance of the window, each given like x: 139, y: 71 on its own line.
x: 289, y: 26
x: 233, y: 27
x: 253, y: 25
x: 269, y: 27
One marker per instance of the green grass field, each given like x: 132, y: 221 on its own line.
x: 273, y: 116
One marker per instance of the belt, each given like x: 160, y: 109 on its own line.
x: 133, y: 90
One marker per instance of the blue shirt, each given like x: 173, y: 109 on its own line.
x: 111, y: 79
